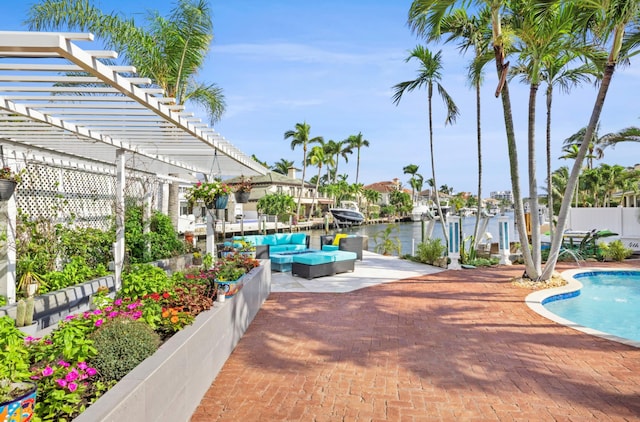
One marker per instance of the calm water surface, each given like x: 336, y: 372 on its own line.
x: 410, y: 233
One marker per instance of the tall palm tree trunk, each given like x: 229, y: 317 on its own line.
x: 476, y: 235
x: 304, y: 174
x: 549, y: 184
x: 513, y: 163
x: 533, y: 182
x: 443, y: 218
x: 575, y: 170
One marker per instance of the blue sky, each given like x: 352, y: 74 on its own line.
x: 333, y: 64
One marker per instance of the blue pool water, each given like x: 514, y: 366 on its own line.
x: 609, y: 301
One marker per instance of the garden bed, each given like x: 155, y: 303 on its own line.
x: 169, y: 385
x: 55, y: 306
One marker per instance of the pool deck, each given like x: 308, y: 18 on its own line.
x: 428, y: 346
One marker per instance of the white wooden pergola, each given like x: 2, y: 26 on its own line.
x: 59, y: 98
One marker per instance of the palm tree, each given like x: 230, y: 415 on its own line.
x: 357, y: 142
x: 425, y: 18
x: 257, y: 160
x: 416, y: 182
x: 170, y: 50
x: 614, y: 19
x: 541, y: 38
x: 411, y: 169
x: 430, y: 66
x: 318, y: 158
x: 282, y: 166
x: 598, y: 143
x: 557, y: 72
x: 343, y: 149
x: 472, y: 31
x: 300, y: 136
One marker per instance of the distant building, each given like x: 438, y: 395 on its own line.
x: 503, y: 195
x: 273, y: 182
x: 385, y: 189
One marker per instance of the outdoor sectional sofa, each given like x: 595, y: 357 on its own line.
x: 269, y: 244
x: 322, y: 263
x: 344, y: 243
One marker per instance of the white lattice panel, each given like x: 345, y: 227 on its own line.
x: 71, y: 195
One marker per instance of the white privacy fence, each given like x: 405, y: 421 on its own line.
x: 622, y: 220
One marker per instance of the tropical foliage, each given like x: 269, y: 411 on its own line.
x: 429, y: 76
x: 168, y: 50
x: 279, y: 204
x: 533, y: 35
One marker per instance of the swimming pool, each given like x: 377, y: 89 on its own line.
x: 601, y: 302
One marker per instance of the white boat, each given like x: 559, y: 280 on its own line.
x: 466, y: 212
x: 347, y: 213
x: 421, y: 211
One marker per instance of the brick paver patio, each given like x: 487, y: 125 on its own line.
x: 452, y: 346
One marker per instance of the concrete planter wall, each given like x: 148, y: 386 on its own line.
x: 55, y: 306
x: 169, y: 385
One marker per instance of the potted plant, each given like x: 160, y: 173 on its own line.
x: 197, y: 258
x: 17, y: 393
x: 8, y: 182
x: 24, y: 316
x: 30, y: 281
x: 243, y: 190
x: 229, y: 272
x: 214, y: 194
x: 246, y: 248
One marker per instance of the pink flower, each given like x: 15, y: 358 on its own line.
x: 113, y: 314
x: 108, y: 308
x: 82, y: 365
x: 118, y: 302
x: 69, y: 317
x: 136, y: 315
x: 99, y: 322
x: 132, y: 306
x: 47, y: 371
x: 62, y: 383
x: 97, y: 312
x: 64, y: 364
x: 72, y: 386
x: 91, y: 371
x: 71, y: 376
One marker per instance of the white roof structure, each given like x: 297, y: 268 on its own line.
x: 57, y: 97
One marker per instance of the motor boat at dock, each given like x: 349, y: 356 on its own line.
x: 347, y: 213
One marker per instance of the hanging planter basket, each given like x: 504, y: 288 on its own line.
x: 242, y: 197
x: 219, y: 202
x: 7, y: 187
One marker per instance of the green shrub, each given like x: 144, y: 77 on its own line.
x: 160, y: 242
x: 614, y: 250
x: 122, y: 344
x: 75, y: 272
x: 430, y: 251
x: 94, y: 245
x: 143, y: 279
x: 386, y: 244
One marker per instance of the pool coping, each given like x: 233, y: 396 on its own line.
x: 536, y: 299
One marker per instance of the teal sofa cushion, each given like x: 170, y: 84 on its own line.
x: 298, y: 238
x: 283, y: 238
x: 313, y: 258
x: 343, y: 255
x: 330, y: 247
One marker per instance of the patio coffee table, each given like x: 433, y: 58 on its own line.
x: 281, y: 261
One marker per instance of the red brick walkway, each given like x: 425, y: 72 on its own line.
x: 453, y: 346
